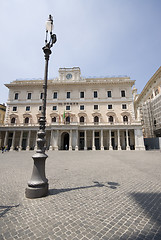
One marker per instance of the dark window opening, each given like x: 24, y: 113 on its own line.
x: 110, y: 119
x: 13, y: 120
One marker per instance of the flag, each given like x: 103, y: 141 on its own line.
x: 64, y: 114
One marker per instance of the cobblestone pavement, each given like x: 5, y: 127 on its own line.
x: 106, y: 195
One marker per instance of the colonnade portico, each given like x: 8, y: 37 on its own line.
x: 76, y: 139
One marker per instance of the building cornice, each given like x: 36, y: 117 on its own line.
x: 152, y: 80
x: 87, y: 81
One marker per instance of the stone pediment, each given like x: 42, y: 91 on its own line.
x: 27, y: 115
x: 13, y: 115
x: 111, y: 113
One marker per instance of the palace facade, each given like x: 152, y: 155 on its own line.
x: 82, y: 113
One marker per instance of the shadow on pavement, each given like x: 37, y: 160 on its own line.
x: 97, y: 184
x: 151, y: 204
x: 113, y: 185
x: 5, y: 209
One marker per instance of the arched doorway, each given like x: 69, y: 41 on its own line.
x: 65, y: 141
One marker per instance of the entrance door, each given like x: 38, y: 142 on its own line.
x: 9, y: 143
x: 24, y: 144
x: 97, y: 144
x: 113, y: 143
x: 81, y: 144
x: 65, y: 141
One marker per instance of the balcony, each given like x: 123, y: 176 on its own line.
x: 74, y: 124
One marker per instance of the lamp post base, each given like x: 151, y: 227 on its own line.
x: 37, y: 192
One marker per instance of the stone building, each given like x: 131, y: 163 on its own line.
x: 82, y: 113
x: 2, y: 113
x: 148, y: 106
x: 2, y: 116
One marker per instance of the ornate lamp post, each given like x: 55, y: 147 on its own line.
x: 38, y: 185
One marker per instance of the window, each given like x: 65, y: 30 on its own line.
x: 53, y: 119
x: 13, y: 120
x: 110, y: 106
x: 155, y: 123
x: 29, y: 95
x: 96, y: 134
x: 26, y: 120
x: 40, y: 108
x: 124, y: 106
x: 96, y: 119
x: 41, y: 95
x: 81, y: 107
x: 68, y: 94
x: 122, y: 93
x: 54, y: 108
x: 110, y: 119
x: 16, y: 96
x: 95, y: 94
x: 55, y: 95
x: 95, y: 107
x: 109, y: 94
x: 14, y: 109
x: 81, y: 134
x: 156, y: 92
x: 67, y: 107
x: 67, y: 119
x: 125, y: 118
x: 81, y: 119
x: 112, y: 134
x: 81, y: 94
x: 27, y: 108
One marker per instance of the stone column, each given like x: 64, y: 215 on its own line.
x: 102, y: 147
x: 76, y: 146
x: 6, y: 138
x: 35, y: 148
x: 118, y: 141
x: 51, y: 140
x: 127, y: 140
x: 110, y: 146
x: 70, y: 140
x: 153, y: 92
x: 28, y: 141
x: 13, y: 142
x: 0, y: 139
x: 85, y: 140
x: 93, y: 137
x: 57, y: 141
x: 139, y: 141
x: 20, y: 142
x: 138, y: 114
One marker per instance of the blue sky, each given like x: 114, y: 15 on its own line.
x: 102, y: 37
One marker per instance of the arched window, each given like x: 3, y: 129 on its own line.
x: 96, y: 119
x: 67, y: 119
x: 53, y: 119
x: 26, y: 120
x: 110, y: 119
x: 155, y: 123
x: 13, y: 120
x: 81, y: 119
x: 125, y: 118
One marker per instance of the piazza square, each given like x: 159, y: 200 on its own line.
x: 92, y: 195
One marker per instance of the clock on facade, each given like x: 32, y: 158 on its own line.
x: 69, y: 76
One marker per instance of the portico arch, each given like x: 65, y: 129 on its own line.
x: 65, y: 141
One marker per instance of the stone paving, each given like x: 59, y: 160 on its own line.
x: 106, y: 195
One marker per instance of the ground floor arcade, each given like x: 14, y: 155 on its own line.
x: 74, y: 139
